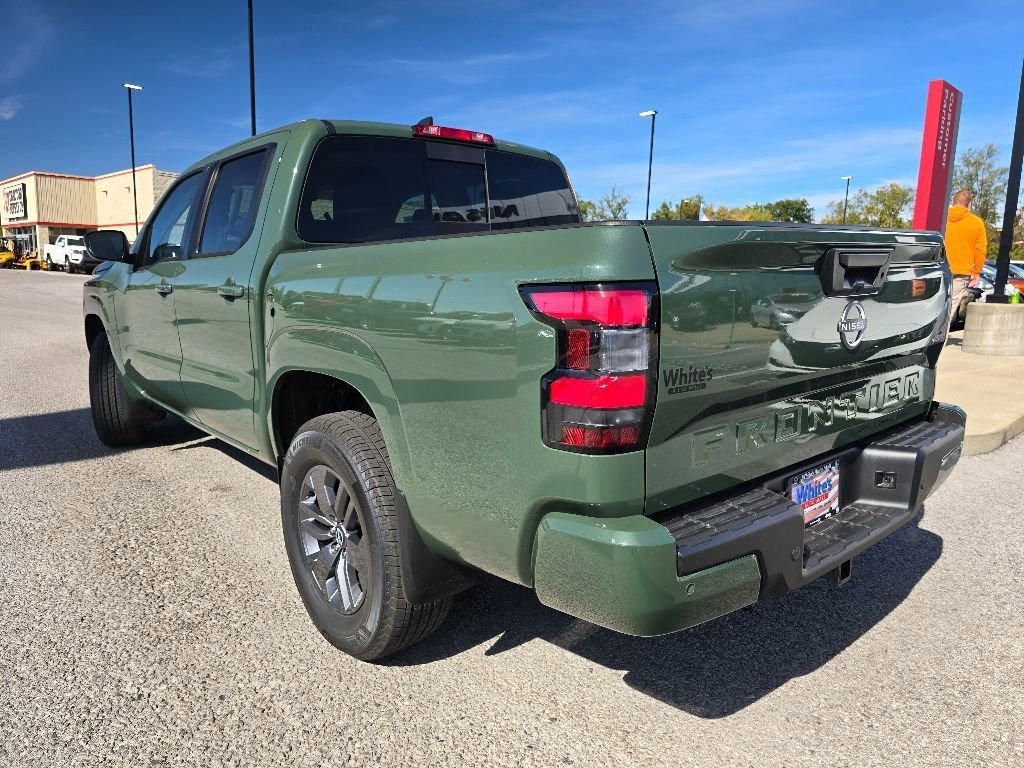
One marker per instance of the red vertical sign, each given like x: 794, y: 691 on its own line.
x: 938, y: 148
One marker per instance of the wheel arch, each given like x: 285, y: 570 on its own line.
x: 322, y: 371
x: 298, y: 394
x: 93, y: 328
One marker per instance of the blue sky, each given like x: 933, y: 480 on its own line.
x: 756, y: 100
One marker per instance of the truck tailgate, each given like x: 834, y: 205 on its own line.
x: 765, y: 364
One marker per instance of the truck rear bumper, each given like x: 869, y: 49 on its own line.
x: 643, y: 576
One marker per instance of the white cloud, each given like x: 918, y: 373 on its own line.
x: 857, y: 150
x: 27, y: 33
x: 10, y: 106
x: 520, y: 113
x: 470, y: 70
x: 211, y: 64
x: 766, y: 172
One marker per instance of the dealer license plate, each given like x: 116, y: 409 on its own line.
x: 817, y: 492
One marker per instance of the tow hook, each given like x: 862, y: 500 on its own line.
x: 842, y: 573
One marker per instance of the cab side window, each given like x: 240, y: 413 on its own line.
x: 169, y: 227
x: 233, y: 204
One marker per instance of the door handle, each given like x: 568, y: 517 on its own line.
x: 164, y: 288
x: 229, y: 291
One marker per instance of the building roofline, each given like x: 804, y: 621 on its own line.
x: 126, y: 170
x: 51, y: 174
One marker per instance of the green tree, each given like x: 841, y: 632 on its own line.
x: 793, y: 210
x: 890, y: 205
x: 686, y: 209
x: 977, y: 170
x: 588, y: 211
x: 614, y: 206
x: 796, y: 210
x: 752, y: 212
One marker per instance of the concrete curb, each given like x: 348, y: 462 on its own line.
x: 986, y: 387
x: 985, y: 442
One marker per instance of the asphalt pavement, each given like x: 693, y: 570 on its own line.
x: 148, y: 617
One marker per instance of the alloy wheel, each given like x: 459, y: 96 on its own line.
x: 332, y: 531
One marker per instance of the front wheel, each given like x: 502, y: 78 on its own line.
x: 338, y: 512
x: 114, y: 414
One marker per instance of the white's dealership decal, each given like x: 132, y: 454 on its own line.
x: 14, y: 202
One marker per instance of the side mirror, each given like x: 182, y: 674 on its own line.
x: 108, y: 245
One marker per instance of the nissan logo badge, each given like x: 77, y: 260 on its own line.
x: 852, y: 325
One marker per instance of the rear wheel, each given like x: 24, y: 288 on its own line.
x: 338, y: 513
x: 114, y: 414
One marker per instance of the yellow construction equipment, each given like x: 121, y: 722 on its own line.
x: 14, y: 253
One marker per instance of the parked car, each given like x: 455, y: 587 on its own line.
x: 69, y: 253
x: 779, y: 310
x: 452, y: 373
x: 1015, y: 274
x: 985, y: 286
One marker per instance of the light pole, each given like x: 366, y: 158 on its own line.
x: 131, y: 137
x: 998, y: 296
x: 846, y: 199
x: 252, y: 77
x: 653, y: 114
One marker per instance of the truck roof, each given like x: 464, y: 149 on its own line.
x: 357, y: 128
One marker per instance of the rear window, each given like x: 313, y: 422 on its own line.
x: 528, y: 192
x: 363, y: 189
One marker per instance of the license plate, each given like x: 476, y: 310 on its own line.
x: 817, y: 492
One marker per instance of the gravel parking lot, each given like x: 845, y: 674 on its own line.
x: 148, y: 616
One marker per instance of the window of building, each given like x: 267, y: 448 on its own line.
x: 234, y: 202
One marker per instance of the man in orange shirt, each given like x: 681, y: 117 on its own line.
x: 966, y: 243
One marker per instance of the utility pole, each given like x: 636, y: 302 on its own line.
x: 846, y: 199
x: 653, y: 114
x: 998, y: 295
x: 252, y: 77
x: 131, y: 137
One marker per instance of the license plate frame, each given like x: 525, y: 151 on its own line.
x: 816, y: 491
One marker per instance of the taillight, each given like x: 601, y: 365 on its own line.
x: 599, y: 398
x: 454, y: 134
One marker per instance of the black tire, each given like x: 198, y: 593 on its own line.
x: 350, y: 445
x: 49, y: 265
x: 114, y: 413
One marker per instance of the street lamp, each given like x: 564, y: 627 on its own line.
x: 846, y: 199
x: 653, y: 114
x: 252, y: 77
x: 131, y: 134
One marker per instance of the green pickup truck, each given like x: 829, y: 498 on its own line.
x: 651, y: 424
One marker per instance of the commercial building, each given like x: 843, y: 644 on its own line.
x: 44, y: 206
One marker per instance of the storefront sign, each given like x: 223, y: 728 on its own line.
x: 14, y: 202
x: 938, y: 149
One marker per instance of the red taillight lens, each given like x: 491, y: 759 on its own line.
x: 578, y: 349
x: 600, y: 437
x: 454, y: 134
x: 605, y: 307
x: 602, y: 392
x: 600, y: 395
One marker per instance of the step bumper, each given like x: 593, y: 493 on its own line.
x: 642, y: 576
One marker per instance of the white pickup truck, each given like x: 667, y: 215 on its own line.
x: 69, y: 254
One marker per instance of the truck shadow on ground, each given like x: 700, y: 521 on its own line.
x: 711, y: 671
x: 42, y: 439
x: 716, y: 669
